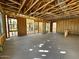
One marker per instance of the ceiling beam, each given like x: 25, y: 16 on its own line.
x: 52, y: 7
x: 8, y: 5
x: 31, y: 6
x: 32, y: 1
x: 55, y: 6
x: 15, y: 2
x: 1, y: 9
x: 76, y: 9
x: 8, y: 9
x: 21, y: 6
x: 49, y: 13
x: 72, y: 10
x: 63, y: 7
x: 37, y: 6
x: 74, y: 3
x: 69, y: 10
x: 42, y: 6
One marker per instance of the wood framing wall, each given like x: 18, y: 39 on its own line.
x: 72, y: 25
x: 3, y: 35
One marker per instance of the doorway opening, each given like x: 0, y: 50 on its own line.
x: 48, y: 27
x: 54, y: 27
x: 30, y: 26
x: 40, y: 27
x: 11, y: 25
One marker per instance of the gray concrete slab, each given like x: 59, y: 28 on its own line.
x: 42, y: 46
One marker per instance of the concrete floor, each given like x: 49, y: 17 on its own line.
x: 42, y: 46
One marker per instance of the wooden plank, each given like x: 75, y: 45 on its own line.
x: 53, y: 7
x: 66, y: 6
x: 21, y: 26
x: 15, y: 2
x: 21, y: 6
x: 31, y: 6
x: 1, y: 9
x: 42, y: 7
x: 9, y: 5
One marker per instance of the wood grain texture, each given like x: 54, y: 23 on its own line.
x: 21, y: 26
x: 72, y: 25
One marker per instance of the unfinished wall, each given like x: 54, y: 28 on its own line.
x: 21, y: 22
x: 72, y: 25
x: 2, y: 39
x: 2, y: 33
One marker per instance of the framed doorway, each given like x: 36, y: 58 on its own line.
x: 54, y: 27
x: 48, y: 27
x: 30, y: 26
x: 11, y: 25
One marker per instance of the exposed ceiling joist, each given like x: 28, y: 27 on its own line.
x: 70, y: 9
x: 31, y: 6
x: 29, y: 3
x: 52, y: 7
x: 51, y: 14
x: 15, y: 2
x: 76, y: 9
x: 38, y: 5
x: 1, y: 9
x: 42, y: 7
x: 47, y: 13
x: 11, y: 10
x: 8, y: 5
x: 72, y: 1
x: 32, y: 1
x: 65, y: 6
x: 62, y: 5
x: 21, y: 6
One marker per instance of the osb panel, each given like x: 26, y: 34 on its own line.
x: 2, y: 39
x: 71, y: 25
x: 21, y: 26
